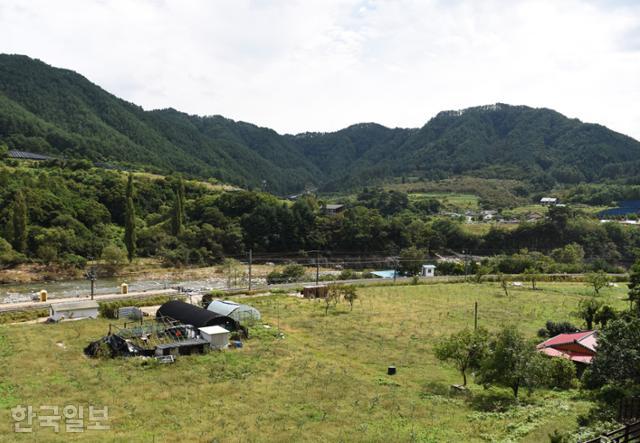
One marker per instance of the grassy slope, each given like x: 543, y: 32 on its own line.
x: 325, y: 381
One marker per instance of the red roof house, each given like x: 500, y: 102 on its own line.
x: 579, y: 347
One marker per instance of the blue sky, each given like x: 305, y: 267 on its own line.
x: 322, y: 65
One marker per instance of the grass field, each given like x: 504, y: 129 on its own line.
x: 324, y: 381
x: 484, y: 228
x: 450, y: 200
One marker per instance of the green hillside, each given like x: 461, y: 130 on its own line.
x: 56, y: 111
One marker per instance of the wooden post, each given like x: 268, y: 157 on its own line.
x: 317, y: 267
x: 475, y: 317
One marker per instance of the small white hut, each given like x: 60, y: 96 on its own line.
x: 428, y: 270
x: 217, y: 336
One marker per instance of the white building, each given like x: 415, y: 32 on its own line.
x: 74, y: 310
x: 217, y: 336
x: 428, y: 270
x: 549, y: 201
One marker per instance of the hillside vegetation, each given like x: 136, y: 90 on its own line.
x: 56, y: 111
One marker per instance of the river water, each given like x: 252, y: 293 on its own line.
x: 12, y: 293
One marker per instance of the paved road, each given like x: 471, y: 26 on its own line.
x: 24, y: 306
x: 5, y: 307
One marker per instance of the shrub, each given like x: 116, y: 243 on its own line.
x: 561, y: 373
x: 492, y: 400
x: 290, y: 273
x: 8, y: 256
x: 113, y: 258
x: 552, y: 329
x: 208, y: 298
x: 73, y: 261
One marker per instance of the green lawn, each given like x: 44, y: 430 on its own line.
x: 324, y: 381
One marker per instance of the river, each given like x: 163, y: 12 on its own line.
x: 11, y: 293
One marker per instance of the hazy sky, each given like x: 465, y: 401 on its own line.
x: 323, y: 65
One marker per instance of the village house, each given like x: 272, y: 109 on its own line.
x: 579, y: 347
x: 333, y: 209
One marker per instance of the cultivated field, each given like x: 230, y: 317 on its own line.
x: 325, y: 380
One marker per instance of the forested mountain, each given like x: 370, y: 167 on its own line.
x: 56, y: 111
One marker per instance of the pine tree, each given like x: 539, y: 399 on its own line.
x: 19, y: 221
x: 130, y: 222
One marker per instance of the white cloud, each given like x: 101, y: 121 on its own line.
x: 322, y: 65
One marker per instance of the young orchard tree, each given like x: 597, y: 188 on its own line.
x: 512, y: 362
x: 465, y: 350
x: 598, y: 280
x: 350, y: 295
x: 332, y: 298
x: 532, y: 275
x: 588, y: 309
x: 504, y: 283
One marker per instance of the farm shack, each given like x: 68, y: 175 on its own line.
x: 217, y: 336
x: 315, y: 291
x: 234, y: 310
x: 333, y: 209
x: 73, y: 310
x: 194, y: 315
x: 428, y: 270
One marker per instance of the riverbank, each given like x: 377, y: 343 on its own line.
x: 140, y: 269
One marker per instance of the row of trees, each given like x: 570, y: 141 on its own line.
x: 504, y: 359
x: 62, y: 215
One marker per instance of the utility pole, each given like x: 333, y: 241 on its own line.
x: 395, y: 269
x: 317, y: 267
x: 250, y: 260
x: 91, y: 276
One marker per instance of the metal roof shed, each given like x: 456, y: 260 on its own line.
x: 75, y: 310
x: 234, y: 310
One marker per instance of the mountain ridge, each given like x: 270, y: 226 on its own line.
x: 58, y: 111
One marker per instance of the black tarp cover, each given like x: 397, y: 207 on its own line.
x: 193, y: 315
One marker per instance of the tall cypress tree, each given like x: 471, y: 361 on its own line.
x: 130, y: 222
x: 19, y: 220
x: 176, y: 216
x: 181, y: 197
